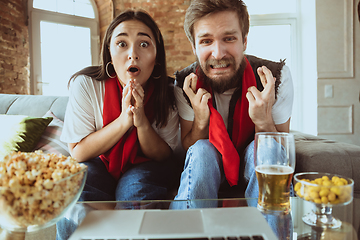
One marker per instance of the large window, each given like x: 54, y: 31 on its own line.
x: 273, y: 30
x: 275, y: 33
x: 64, y: 39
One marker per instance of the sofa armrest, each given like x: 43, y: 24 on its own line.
x: 316, y: 154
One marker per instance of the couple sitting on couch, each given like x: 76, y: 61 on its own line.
x: 122, y: 117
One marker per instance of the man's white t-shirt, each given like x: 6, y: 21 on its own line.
x: 281, y: 110
x: 85, y: 110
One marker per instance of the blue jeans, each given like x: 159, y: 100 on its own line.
x: 203, y: 175
x: 145, y: 181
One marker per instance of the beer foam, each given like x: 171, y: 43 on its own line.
x: 274, y: 169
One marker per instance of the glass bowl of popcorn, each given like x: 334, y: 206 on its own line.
x: 325, y: 191
x: 37, y: 189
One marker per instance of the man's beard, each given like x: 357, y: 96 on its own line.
x: 222, y: 84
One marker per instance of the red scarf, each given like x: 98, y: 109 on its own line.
x: 242, y: 130
x: 125, y: 151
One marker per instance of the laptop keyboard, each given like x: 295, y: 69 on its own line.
x: 256, y: 237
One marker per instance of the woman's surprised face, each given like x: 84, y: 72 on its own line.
x: 133, y: 51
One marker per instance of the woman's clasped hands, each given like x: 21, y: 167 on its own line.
x: 133, y: 113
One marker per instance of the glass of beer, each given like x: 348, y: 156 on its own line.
x: 274, y: 156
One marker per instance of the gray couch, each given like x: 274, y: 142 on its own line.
x: 312, y: 153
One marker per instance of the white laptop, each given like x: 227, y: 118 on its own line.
x: 244, y: 223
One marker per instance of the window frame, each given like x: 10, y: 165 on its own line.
x: 293, y: 20
x: 38, y: 15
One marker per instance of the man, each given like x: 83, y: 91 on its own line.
x: 224, y: 99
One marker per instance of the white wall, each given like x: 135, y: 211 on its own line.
x: 308, y: 73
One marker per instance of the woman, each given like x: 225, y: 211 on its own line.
x: 121, y: 120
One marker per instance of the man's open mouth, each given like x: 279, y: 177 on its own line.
x: 213, y: 66
x: 216, y: 64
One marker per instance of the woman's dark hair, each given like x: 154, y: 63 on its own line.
x: 164, y: 95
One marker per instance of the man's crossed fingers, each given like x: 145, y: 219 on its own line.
x: 260, y: 103
x: 268, y: 82
x: 197, y: 97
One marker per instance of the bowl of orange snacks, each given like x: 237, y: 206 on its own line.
x: 324, y: 188
x: 325, y: 191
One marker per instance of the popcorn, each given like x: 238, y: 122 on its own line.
x: 36, y: 187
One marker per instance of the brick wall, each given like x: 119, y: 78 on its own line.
x: 14, y: 47
x: 14, y: 37
x: 106, y: 14
x: 169, y: 15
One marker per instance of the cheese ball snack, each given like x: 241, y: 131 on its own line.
x: 35, y: 187
x: 324, y: 188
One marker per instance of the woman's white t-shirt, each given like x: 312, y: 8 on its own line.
x: 281, y: 110
x: 84, y: 113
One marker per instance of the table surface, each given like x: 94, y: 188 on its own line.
x: 299, y: 208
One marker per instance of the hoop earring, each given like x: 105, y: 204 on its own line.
x: 157, y: 76
x: 107, y: 72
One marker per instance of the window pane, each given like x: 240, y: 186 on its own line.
x: 65, y: 50
x: 82, y: 8
x: 270, y: 6
x: 49, y: 5
x: 263, y: 42
x: 65, y: 6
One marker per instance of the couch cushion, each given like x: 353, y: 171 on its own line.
x: 20, y: 133
x: 50, y: 140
